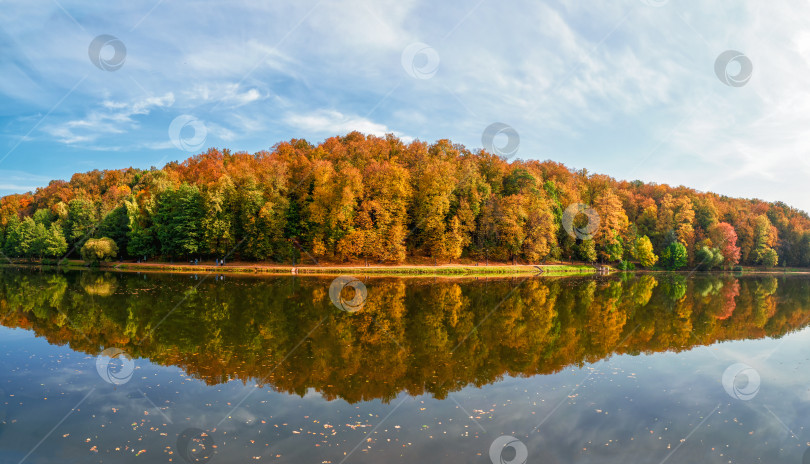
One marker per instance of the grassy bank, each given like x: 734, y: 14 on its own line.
x: 403, y: 270
x: 392, y: 270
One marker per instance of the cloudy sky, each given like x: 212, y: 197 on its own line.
x: 628, y: 88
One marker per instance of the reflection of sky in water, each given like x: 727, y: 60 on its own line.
x: 625, y: 409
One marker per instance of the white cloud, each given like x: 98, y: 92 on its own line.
x: 18, y: 181
x: 112, y: 118
x: 228, y: 94
x: 333, y: 122
x: 228, y: 56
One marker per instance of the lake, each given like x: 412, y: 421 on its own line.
x: 134, y: 367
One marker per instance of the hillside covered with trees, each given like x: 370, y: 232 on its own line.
x: 378, y: 199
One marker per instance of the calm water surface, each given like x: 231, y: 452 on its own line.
x: 120, y: 368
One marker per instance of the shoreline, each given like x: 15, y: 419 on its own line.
x: 403, y: 270
x: 397, y: 270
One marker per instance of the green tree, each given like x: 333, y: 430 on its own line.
x: 39, y: 241
x: 674, y: 256
x: 803, y: 252
x: 27, y: 245
x: 218, y: 235
x: 141, y: 239
x: 262, y: 218
x: 115, y: 225
x: 708, y: 258
x: 99, y: 249
x: 178, y: 221
x: 586, y: 250
x: 12, y: 237
x: 43, y: 216
x: 55, y: 245
x: 765, y: 236
x: 81, y: 222
x: 769, y: 258
x: 644, y: 252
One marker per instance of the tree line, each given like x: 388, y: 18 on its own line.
x: 381, y: 200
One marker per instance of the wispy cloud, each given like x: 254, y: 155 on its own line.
x: 111, y: 118
x: 20, y: 181
x: 333, y: 122
x: 229, y: 94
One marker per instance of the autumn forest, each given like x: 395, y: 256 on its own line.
x: 382, y: 200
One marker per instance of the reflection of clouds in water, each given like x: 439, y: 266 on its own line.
x: 644, y: 406
x: 637, y: 405
x: 8, y: 334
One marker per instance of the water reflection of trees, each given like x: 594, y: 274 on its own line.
x: 419, y: 336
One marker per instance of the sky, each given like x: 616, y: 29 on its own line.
x: 711, y: 95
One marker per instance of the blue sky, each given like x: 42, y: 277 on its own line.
x: 627, y: 88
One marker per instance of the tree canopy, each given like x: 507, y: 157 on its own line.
x: 359, y: 197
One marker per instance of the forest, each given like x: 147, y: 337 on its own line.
x: 378, y: 199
